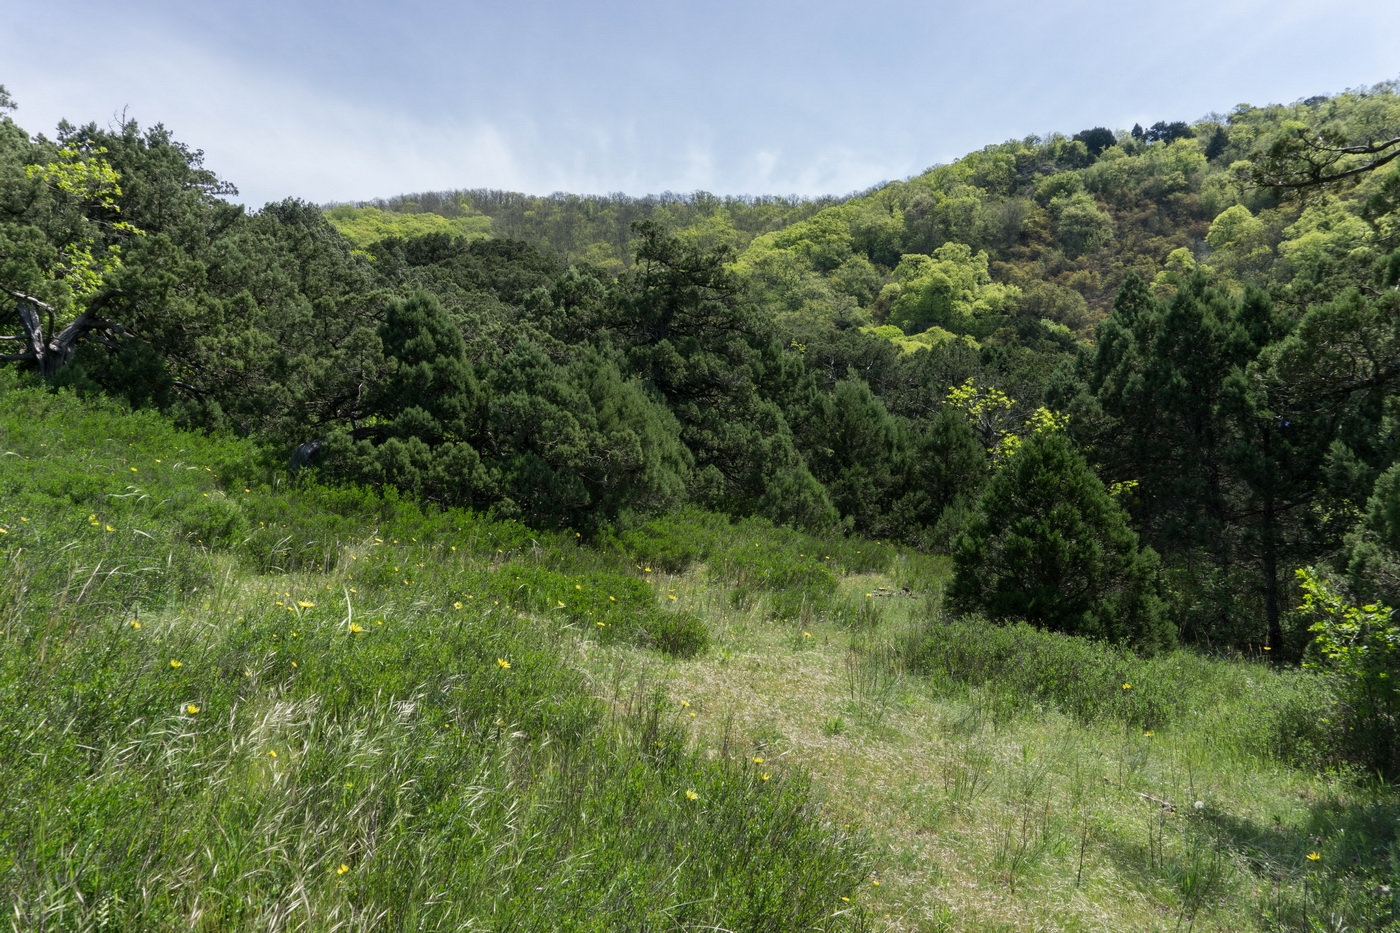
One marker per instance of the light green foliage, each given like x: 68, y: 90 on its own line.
x: 1310, y: 149
x: 1176, y: 272
x: 942, y: 208
x: 1360, y: 645
x: 952, y: 289
x: 1239, y: 244
x: 990, y: 413
x: 89, y: 189
x: 785, y: 284
x: 985, y: 407
x: 823, y: 241
x: 1080, y: 224
x: 712, y: 232
x: 1327, y: 248
x: 364, y: 226
x: 933, y: 337
x: 1155, y: 171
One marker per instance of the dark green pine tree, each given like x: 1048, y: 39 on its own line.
x: 860, y: 453
x: 1221, y: 469
x: 429, y: 371
x: 1050, y: 545
x: 430, y: 409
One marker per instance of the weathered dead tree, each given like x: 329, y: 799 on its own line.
x: 51, y: 353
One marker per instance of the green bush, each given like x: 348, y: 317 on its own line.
x: 1051, y: 546
x: 1359, y: 647
x: 678, y: 634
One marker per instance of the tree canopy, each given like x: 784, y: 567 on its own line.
x: 1215, y: 361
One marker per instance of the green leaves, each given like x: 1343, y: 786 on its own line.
x: 1360, y: 645
x: 1050, y: 545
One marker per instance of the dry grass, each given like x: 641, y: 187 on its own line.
x: 977, y: 820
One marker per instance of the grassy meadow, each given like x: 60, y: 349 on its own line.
x: 233, y: 700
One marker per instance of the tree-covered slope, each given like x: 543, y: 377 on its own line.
x: 1217, y: 345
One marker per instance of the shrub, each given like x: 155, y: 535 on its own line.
x: 1050, y: 545
x: 679, y: 634
x: 1360, y: 647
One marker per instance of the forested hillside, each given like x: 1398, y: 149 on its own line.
x: 1131, y: 380
x: 1008, y: 546
x: 592, y: 229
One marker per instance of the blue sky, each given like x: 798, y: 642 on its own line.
x: 353, y: 100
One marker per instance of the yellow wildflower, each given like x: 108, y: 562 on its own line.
x: 503, y: 664
x: 175, y: 663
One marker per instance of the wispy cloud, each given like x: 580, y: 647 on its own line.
x: 331, y: 103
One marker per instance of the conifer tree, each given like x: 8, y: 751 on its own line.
x: 1049, y: 545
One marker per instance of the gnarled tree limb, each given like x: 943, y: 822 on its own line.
x: 1306, y: 160
x: 50, y: 354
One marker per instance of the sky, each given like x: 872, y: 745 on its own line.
x: 349, y: 101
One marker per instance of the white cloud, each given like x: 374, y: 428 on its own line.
x: 326, y: 105
x: 270, y: 134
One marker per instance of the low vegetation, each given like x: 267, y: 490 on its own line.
x: 238, y: 701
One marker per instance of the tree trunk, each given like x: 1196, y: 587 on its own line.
x: 49, y: 355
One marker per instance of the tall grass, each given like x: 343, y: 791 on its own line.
x: 229, y: 701
x: 232, y: 700
x: 1258, y: 711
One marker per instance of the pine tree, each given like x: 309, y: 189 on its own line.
x: 1051, y: 546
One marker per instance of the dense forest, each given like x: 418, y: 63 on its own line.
x: 1133, y: 381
